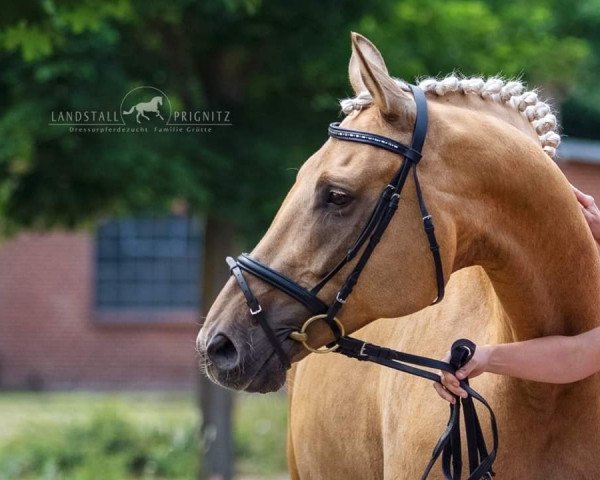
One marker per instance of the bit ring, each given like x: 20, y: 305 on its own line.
x: 302, y: 336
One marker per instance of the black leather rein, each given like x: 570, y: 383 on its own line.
x: 449, y: 444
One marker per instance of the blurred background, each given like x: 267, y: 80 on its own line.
x: 112, y: 242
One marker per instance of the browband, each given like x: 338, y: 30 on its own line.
x: 340, y: 133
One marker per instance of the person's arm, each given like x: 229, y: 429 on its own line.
x: 555, y: 359
x: 590, y: 212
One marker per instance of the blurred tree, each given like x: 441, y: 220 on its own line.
x: 581, y: 107
x: 272, y: 63
x: 277, y: 66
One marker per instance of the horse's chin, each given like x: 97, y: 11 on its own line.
x: 268, y: 377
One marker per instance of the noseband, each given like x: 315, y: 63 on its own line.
x: 449, y: 444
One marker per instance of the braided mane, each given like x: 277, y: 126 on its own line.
x: 510, y: 93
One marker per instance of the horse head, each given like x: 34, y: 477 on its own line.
x: 334, y: 194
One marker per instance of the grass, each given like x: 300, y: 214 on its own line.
x: 260, y: 433
x: 123, y: 436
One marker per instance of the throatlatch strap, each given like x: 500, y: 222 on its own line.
x: 433, y: 245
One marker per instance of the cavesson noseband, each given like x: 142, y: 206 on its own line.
x: 449, y: 444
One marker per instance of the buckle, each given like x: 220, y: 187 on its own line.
x: 354, y: 348
x: 339, y: 299
x: 257, y: 311
x: 428, y: 224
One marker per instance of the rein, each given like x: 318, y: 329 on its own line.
x: 449, y: 444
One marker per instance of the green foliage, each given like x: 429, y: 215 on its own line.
x: 260, y: 434
x: 107, y: 445
x: 479, y: 37
x: 91, y: 436
x: 278, y: 66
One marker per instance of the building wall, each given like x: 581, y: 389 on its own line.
x: 585, y: 176
x: 50, y: 336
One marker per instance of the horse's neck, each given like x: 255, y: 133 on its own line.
x: 548, y: 289
x: 530, y: 237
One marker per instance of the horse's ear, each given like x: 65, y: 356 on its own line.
x: 367, y: 71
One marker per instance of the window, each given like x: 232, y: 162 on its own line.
x: 148, y: 263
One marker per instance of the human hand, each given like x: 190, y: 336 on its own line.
x: 590, y: 212
x: 451, y: 383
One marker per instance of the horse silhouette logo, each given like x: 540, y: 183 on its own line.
x: 143, y: 107
x: 147, y: 105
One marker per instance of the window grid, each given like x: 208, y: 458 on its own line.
x: 148, y: 262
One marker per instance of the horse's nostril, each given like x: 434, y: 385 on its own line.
x: 222, y: 352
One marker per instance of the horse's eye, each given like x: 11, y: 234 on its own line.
x: 339, y: 198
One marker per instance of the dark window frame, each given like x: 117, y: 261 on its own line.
x: 148, y: 268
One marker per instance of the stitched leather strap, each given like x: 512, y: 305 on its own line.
x: 429, y: 229
x: 448, y: 445
x: 397, y: 184
x: 282, y: 283
x: 340, y: 133
x: 257, y: 312
x: 372, y: 223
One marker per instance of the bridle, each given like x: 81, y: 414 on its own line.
x: 449, y: 444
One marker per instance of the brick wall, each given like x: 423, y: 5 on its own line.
x: 50, y: 336
x: 585, y: 176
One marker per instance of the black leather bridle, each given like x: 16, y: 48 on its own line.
x: 449, y: 444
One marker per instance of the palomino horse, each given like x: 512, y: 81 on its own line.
x: 143, y: 107
x: 519, y: 262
